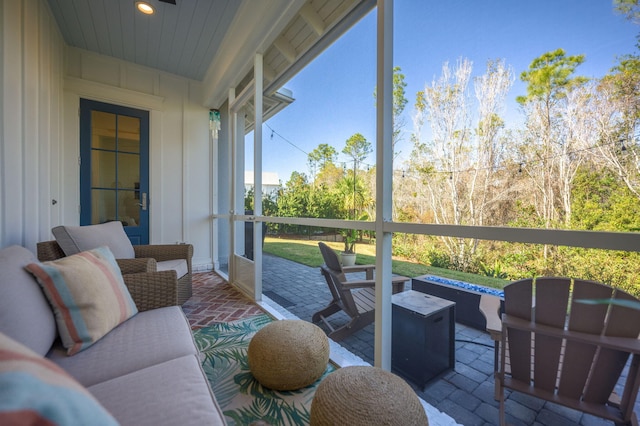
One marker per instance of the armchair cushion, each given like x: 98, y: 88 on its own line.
x: 74, y: 239
x: 178, y: 265
x: 33, y: 390
x: 88, y: 296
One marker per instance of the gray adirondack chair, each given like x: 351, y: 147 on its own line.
x: 554, y: 346
x: 355, y: 297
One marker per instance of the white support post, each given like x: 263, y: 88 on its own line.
x: 257, y: 177
x: 384, y: 176
x: 214, y: 204
x: 238, y: 181
x: 233, y: 127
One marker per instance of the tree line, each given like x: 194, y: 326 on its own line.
x: 572, y: 164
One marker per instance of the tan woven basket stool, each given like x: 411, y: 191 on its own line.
x: 288, y: 354
x: 366, y: 396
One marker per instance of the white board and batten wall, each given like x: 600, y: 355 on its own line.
x: 42, y: 83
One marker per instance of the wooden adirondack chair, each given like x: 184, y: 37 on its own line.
x: 555, y: 347
x: 355, y: 297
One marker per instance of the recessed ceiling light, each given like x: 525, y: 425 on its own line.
x: 144, y: 7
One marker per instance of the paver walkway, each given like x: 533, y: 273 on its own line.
x: 465, y: 394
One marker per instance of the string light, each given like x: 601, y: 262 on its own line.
x: 273, y: 132
x: 521, y: 165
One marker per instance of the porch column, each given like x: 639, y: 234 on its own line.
x: 233, y: 126
x: 257, y: 177
x: 384, y: 176
x: 214, y: 180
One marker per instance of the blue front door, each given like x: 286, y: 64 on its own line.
x: 114, y: 167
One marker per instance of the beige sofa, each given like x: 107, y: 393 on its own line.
x: 146, y: 371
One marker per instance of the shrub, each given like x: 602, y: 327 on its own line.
x: 439, y: 259
x: 494, y: 271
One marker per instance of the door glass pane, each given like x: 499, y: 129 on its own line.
x: 103, y: 205
x: 103, y: 130
x: 128, y: 134
x: 115, y: 168
x: 128, y: 145
x: 128, y: 208
x: 128, y: 170
x: 103, y: 170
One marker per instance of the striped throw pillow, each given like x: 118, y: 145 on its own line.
x: 88, y: 296
x: 35, y: 391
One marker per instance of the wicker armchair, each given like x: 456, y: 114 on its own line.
x: 163, y: 252
x: 149, y: 288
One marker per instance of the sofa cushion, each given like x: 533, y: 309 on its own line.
x: 149, y: 338
x: 35, y: 391
x: 74, y: 239
x: 178, y: 265
x: 88, y: 296
x: 172, y: 393
x: 25, y: 314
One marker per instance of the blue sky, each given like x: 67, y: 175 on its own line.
x: 334, y: 94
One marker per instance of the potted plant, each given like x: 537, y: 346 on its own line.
x: 348, y: 255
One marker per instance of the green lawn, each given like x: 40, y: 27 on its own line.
x: 307, y: 253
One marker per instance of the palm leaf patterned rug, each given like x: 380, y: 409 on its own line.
x: 242, y: 399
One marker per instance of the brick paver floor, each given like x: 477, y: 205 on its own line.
x: 465, y: 394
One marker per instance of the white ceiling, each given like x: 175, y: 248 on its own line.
x: 181, y: 39
x: 213, y: 41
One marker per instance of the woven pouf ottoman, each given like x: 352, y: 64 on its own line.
x: 288, y: 354
x: 365, y: 396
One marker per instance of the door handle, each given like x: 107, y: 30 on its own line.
x: 143, y: 204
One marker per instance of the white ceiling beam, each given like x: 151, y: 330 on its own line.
x: 333, y: 32
x: 243, y: 98
x: 268, y: 72
x: 310, y: 15
x: 287, y: 50
x: 235, y: 58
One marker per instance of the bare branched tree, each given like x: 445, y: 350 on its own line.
x: 459, y: 162
x: 491, y: 90
x: 617, y: 107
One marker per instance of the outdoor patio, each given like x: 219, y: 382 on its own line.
x: 465, y: 394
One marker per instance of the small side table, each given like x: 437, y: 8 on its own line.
x: 423, y: 336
